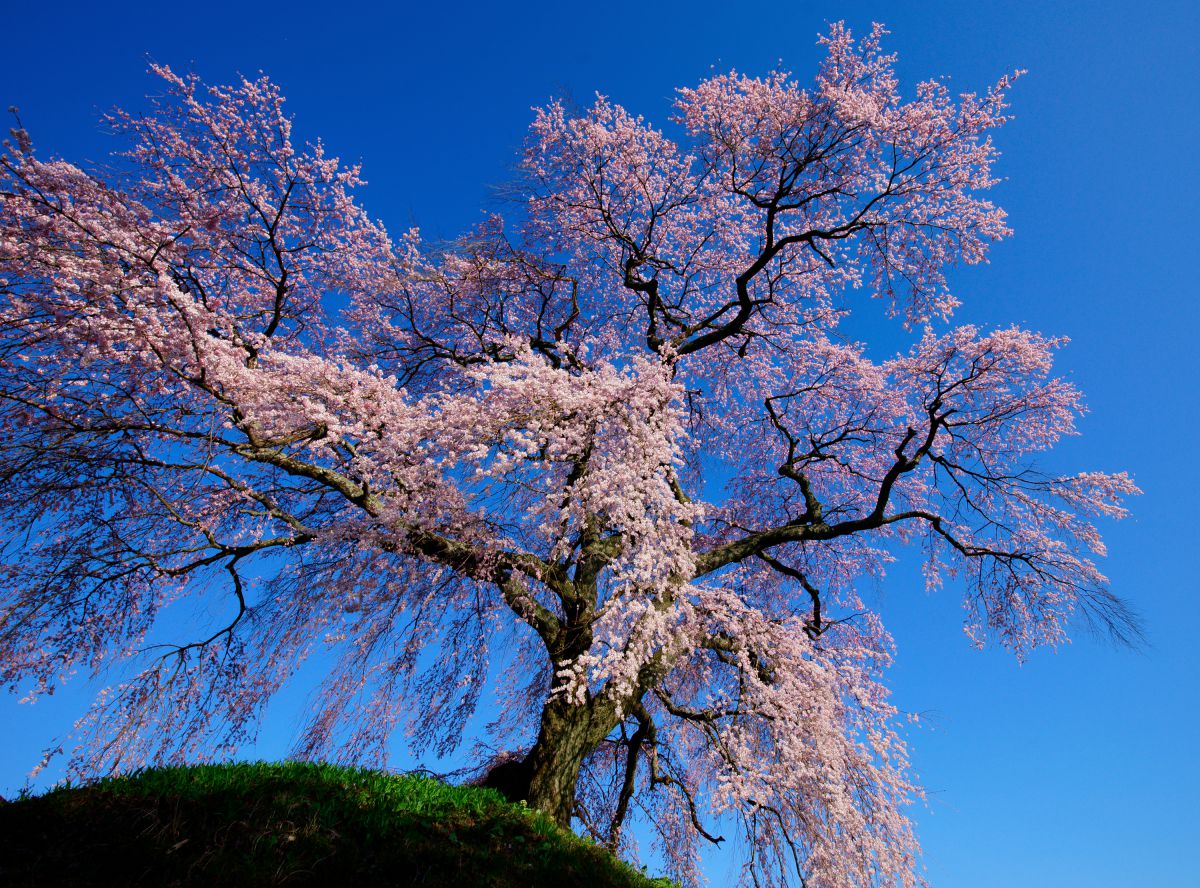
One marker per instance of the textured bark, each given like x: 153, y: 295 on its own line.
x: 567, y: 734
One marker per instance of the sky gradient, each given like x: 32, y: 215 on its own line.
x: 1074, y: 769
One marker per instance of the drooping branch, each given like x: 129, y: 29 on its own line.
x: 633, y: 749
x: 814, y: 626
x: 659, y: 777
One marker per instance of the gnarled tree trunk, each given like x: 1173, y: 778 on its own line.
x: 547, y: 777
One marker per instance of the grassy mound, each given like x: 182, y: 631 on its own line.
x: 292, y: 824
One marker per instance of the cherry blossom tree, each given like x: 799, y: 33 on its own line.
x: 608, y: 454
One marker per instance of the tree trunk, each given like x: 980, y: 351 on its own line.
x: 567, y: 734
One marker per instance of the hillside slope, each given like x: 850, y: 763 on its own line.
x: 292, y: 824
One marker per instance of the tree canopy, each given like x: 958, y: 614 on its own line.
x: 616, y: 427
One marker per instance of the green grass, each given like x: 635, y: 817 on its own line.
x: 292, y: 824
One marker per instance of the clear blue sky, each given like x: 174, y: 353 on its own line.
x: 1076, y: 769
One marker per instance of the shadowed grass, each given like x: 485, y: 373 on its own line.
x: 292, y: 824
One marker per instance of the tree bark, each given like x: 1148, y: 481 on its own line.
x: 568, y: 733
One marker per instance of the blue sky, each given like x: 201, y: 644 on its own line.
x: 1074, y: 769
